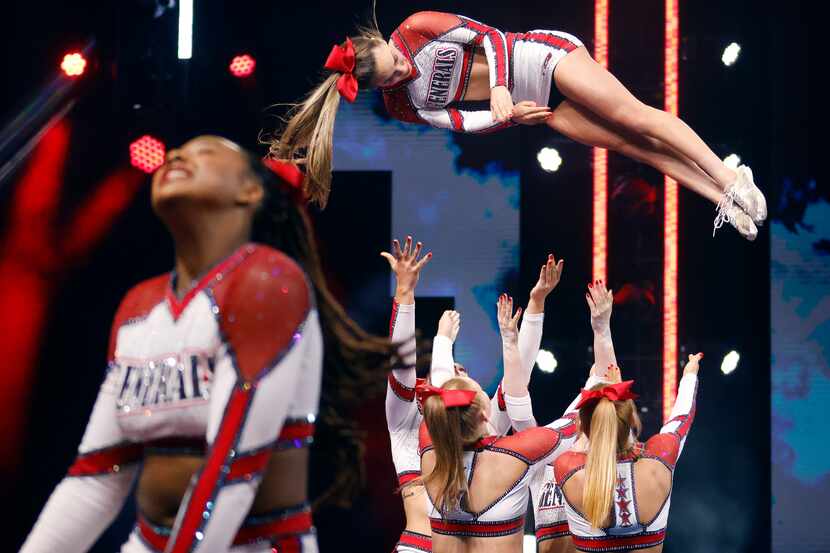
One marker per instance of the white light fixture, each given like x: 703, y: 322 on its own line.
x: 730, y: 54
x: 185, y: 29
x: 732, y: 161
x: 730, y: 362
x: 529, y: 544
x: 546, y: 361
x: 549, y: 159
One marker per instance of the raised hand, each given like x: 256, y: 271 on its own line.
x: 449, y: 325
x: 549, y: 275
x: 600, y: 302
x: 693, y: 365
x: 501, y: 104
x: 508, y: 321
x: 528, y: 113
x: 612, y: 375
x: 406, y: 263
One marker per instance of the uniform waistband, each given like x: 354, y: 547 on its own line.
x: 550, y: 531
x: 414, y: 540
x: 619, y: 543
x: 477, y: 529
x: 279, y: 528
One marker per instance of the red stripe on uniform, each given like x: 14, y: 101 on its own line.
x: 557, y: 530
x: 418, y: 541
x: 604, y: 543
x: 297, y: 523
x: 404, y: 392
x: 550, y: 40
x: 296, y: 431
x: 499, y: 48
x: 247, y: 465
x: 456, y: 119
x: 105, y: 460
x: 407, y: 477
x: 477, y: 529
x: 217, y: 458
x: 283, y: 531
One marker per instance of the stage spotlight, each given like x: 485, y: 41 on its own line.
x: 730, y: 54
x: 730, y: 362
x: 546, y: 361
x: 147, y: 153
x: 549, y: 159
x: 185, y: 29
x: 732, y: 161
x: 242, y: 66
x: 73, y: 64
x: 529, y: 544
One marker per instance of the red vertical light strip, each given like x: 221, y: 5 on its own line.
x: 600, y: 156
x: 670, y: 219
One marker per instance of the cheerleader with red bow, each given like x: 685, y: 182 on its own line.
x: 435, y: 63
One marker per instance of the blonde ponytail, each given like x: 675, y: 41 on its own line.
x: 609, y: 426
x: 308, y: 133
x: 601, y: 468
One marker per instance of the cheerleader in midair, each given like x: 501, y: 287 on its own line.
x: 433, y: 62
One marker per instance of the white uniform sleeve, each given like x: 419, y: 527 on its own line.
x: 466, y: 121
x: 442, y: 367
x: 400, y: 387
x: 87, y: 500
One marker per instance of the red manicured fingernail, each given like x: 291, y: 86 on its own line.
x: 429, y: 254
x: 701, y: 354
x: 590, y: 285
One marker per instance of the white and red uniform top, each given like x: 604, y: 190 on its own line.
x: 628, y: 530
x: 441, y: 47
x: 403, y: 414
x: 536, y: 447
x: 233, y: 368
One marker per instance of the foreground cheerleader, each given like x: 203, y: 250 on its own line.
x: 215, y: 373
x: 435, y: 60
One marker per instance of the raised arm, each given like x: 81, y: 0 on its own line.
x: 442, y: 367
x: 668, y: 444
x: 406, y: 263
x: 600, y: 303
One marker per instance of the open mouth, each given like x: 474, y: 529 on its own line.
x: 175, y: 173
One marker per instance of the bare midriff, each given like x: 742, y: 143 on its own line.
x: 479, y: 87
x: 415, y: 509
x: 164, y: 480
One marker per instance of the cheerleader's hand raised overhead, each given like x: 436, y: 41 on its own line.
x: 693, y: 365
x: 508, y: 321
x: 449, y: 325
x: 406, y: 263
x: 600, y: 301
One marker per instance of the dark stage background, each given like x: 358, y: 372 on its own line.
x: 135, y: 85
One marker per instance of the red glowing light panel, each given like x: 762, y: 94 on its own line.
x: 73, y: 64
x: 670, y: 220
x: 600, y: 156
x: 147, y: 153
x: 242, y: 66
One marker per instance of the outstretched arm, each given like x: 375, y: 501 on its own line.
x: 442, y: 367
x: 600, y: 303
x: 406, y: 263
x: 668, y: 444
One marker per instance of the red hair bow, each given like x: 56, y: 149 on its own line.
x: 614, y: 392
x: 288, y: 172
x: 451, y: 398
x: 341, y: 59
